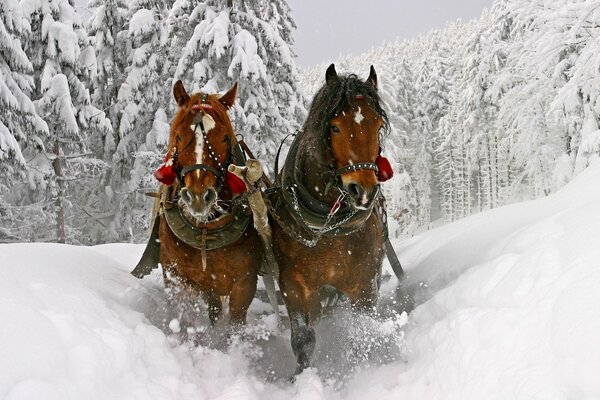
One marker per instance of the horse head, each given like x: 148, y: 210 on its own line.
x: 201, y: 141
x: 354, y: 121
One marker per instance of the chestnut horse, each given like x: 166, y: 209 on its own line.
x: 330, y: 227
x: 206, y: 247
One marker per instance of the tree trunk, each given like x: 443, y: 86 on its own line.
x: 60, y: 211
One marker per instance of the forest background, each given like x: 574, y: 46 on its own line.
x: 499, y: 109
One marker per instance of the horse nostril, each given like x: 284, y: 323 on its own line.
x: 355, y: 190
x: 209, y: 195
x: 186, y: 196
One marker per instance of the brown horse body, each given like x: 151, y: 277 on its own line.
x: 333, y: 158
x: 201, y: 143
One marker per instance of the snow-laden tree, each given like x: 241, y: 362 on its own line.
x: 61, y: 58
x: 20, y: 126
x: 19, y: 122
x: 141, y: 99
x: 236, y: 44
x: 106, y: 30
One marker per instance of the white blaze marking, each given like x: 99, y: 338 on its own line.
x: 209, y: 123
x: 358, y: 117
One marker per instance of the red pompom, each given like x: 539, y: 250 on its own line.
x: 166, y: 174
x: 235, y: 184
x: 385, y: 169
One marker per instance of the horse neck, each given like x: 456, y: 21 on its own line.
x: 313, y: 168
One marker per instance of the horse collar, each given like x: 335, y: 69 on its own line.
x: 313, y: 215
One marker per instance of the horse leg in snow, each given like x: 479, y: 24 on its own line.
x: 303, y: 340
x: 183, y: 298
x: 364, y: 299
x: 240, y: 298
x: 303, y: 307
x: 215, y: 306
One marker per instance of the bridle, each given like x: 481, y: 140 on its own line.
x: 350, y: 167
x: 335, y: 173
x: 222, y: 167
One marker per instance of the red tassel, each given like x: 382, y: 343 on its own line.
x: 166, y: 174
x: 385, y: 169
x: 235, y: 184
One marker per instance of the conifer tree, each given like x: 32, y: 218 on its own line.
x: 21, y: 129
x: 54, y: 45
x: 106, y: 29
x: 141, y: 103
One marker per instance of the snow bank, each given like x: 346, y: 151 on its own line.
x: 509, y: 310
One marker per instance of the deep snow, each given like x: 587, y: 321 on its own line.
x: 509, y: 309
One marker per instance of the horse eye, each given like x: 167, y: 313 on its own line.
x: 335, y: 129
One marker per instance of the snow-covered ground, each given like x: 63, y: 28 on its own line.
x: 509, y: 309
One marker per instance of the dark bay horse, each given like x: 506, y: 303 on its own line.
x: 329, y: 216
x: 208, y: 246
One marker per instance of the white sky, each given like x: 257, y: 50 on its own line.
x: 328, y: 28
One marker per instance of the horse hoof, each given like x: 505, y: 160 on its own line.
x: 299, y: 369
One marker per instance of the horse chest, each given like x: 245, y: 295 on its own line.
x: 224, y: 267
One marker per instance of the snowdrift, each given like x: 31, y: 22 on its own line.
x: 509, y: 308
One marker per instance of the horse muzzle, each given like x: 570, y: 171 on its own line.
x: 200, y: 205
x: 361, y: 197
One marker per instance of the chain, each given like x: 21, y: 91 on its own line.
x: 319, y: 232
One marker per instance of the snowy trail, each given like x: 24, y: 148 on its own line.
x: 509, y: 309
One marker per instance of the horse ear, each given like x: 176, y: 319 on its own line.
x: 372, y: 79
x: 229, y: 98
x: 330, y: 73
x: 181, y: 96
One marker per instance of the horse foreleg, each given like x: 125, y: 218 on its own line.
x: 215, y: 306
x: 240, y: 298
x: 364, y: 300
x: 183, y: 298
x: 301, y: 305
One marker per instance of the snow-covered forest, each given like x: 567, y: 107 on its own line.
x: 483, y: 113
x: 488, y: 112
x: 85, y: 105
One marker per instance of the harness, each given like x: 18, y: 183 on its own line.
x: 227, y: 228
x: 306, y: 218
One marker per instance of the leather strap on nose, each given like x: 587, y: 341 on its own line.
x: 357, y: 167
x: 201, y: 167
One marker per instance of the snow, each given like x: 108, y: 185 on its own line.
x: 142, y: 23
x: 358, y: 117
x: 509, y: 309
